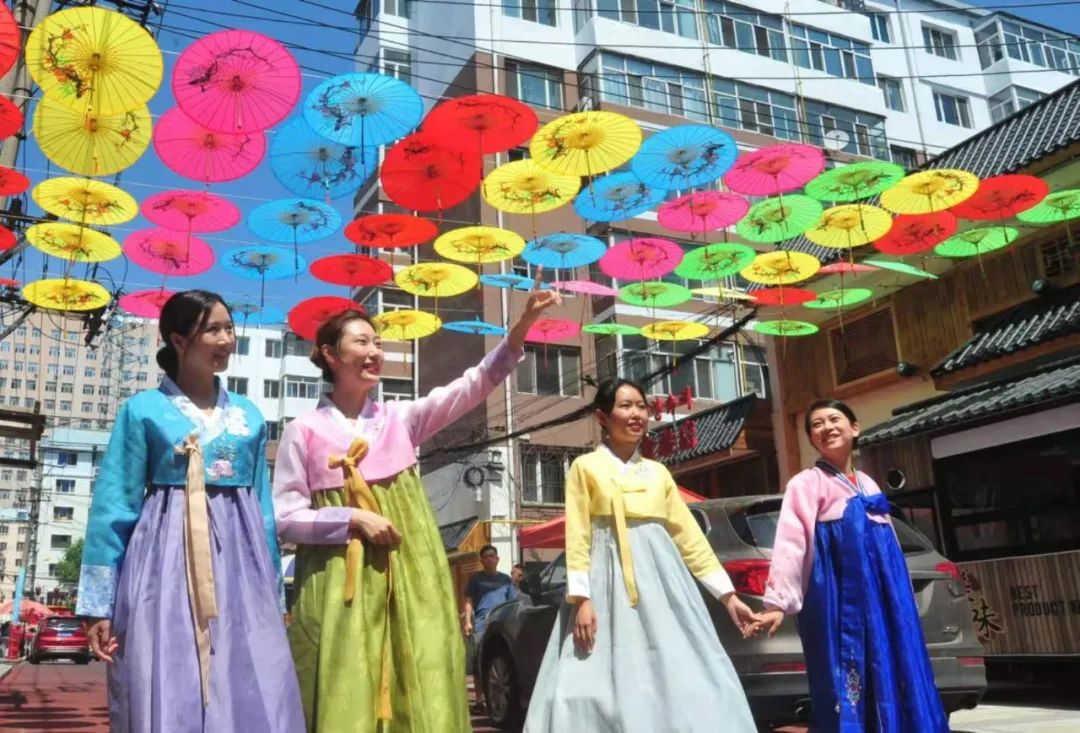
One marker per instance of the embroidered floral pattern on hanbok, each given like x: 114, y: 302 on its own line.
x: 853, y: 685
x: 222, y: 464
x: 236, y: 421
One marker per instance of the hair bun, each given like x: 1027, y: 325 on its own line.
x: 168, y: 360
x: 317, y: 357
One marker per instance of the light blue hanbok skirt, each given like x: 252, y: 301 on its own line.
x: 657, y: 667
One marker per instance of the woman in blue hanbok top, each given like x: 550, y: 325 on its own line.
x: 181, y: 571
x: 837, y: 564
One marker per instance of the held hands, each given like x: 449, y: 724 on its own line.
x: 585, y: 626
x: 746, y: 621
x: 102, y: 643
x: 374, y: 527
x: 539, y: 301
x: 770, y: 620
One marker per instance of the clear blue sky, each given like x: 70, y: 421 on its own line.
x: 334, y: 32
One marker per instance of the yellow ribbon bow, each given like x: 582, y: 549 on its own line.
x: 202, y: 595
x: 359, y: 495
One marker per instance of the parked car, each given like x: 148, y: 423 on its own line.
x: 772, y: 670
x: 58, y: 637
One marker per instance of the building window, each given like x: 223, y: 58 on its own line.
x: 940, y: 42
x: 670, y: 16
x: 835, y: 55
x: 710, y: 375
x: 637, y: 83
x: 273, y: 349
x: 296, y: 346
x: 1010, y: 100
x: 396, y: 389
x: 60, y: 541
x: 536, y: 11
x: 243, y: 345
x: 239, y: 385
x: 67, y: 388
x: 392, y: 299
x: 90, y: 372
x: 65, y: 405
x: 879, y: 27
x: 744, y: 29
x: 400, y: 8
x: 864, y: 132
x: 68, y: 370
x: 905, y: 157
x: 893, y: 92
x: 537, y: 85
x: 988, y: 41
x: 543, y: 473
x: 87, y: 389
x: 6, y: 474
x: 302, y: 387
x: 952, y: 109
x: 50, y: 405
x: 271, y: 389
x: 756, y: 109
x: 63, y: 513
x: 864, y: 347
x: 68, y: 458
x: 1042, y: 48
x: 397, y: 64
x: 65, y: 486
x: 273, y: 430
x: 87, y: 406
x: 103, y: 390
x: 550, y: 370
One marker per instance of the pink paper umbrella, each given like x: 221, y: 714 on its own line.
x: 236, y: 81
x: 168, y: 253
x: 585, y: 287
x: 846, y: 267
x: 145, y: 303
x: 550, y: 330
x: 703, y: 211
x: 775, y: 169
x: 641, y: 259
x: 190, y: 211
x: 197, y: 152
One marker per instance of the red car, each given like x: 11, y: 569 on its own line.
x: 60, y: 638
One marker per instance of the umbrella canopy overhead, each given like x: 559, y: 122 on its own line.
x: 363, y: 109
x: 481, y: 123
x: 684, y: 156
x: 419, y: 173
x: 523, y: 187
x: 585, y: 143
x: 775, y: 169
x: 194, y: 151
x: 929, y: 191
x: 308, y: 164
x: 85, y: 201
x: 65, y: 294
x: 91, y: 143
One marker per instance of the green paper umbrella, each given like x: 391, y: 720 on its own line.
x: 840, y: 298
x: 611, y: 329
x: 901, y: 267
x: 1058, y: 206
x: 776, y: 219
x: 654, y: 294
x: 855, y: 181
x: 976, y: 242
x: 785, y: 328
x: 714, y: 261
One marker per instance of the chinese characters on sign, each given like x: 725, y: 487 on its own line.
x: 678, y: 436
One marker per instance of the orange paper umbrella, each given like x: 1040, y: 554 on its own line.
x: 388, y: 231
x: 914, y: 233
x: 307, y: 315
x: 1003, y: 197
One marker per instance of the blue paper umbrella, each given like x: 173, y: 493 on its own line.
x: 310, y: 165
x: 563, y: 250
x: 684, y: 156
x: 294, y: 220
x: 363, y: 109
x: 509, y: 280
x: 617, y: 196
x: 250, y: 314
x: 261, y: 262
x: 477, y: 328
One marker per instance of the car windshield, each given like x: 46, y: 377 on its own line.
x: 67, y: 624
x: 756, y: 525
x: 555, y: 573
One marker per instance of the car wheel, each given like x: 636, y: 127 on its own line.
x: 501, y: 690
x: 34, y: 659
x: 82, y: 660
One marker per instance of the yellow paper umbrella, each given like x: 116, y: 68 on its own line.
x: 406, y: 325
x: 72, y: 242
x: 64, y: 294
x: 781, y: 268
x: 721, y: 292
x: 85, y: 200
x: 851, y: 225
x: 674, y: 330
x: 479, y: 245
x: 435, y: 279
x: 929, y: 191
x: 95, y: 60
x: 523, y: 187
x: 88, y: 143
x: 585, y: 143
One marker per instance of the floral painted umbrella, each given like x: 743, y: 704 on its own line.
x: 90, y: 143
x: 195, y: 151
x: 11, y: 117
x: 783, y: 296
x: 654, y: 294
x: 563, y: 250
x: 849, y: 226
x: 714, y: 261
x: 353, y: 271
x: 406, y: 325
x: 702, y: 212
x: 977, y: 242
x: 389, y: 231
x: 523, y: 187
x: 855, y: 181
x: 145, y: 303
x: 420, y: 174
x: 585, y: 287
x: 781, y: 268
x: 641, y: 259
x: 775, y: 169
x: 844, y: 268
x: 843, y: 298
x: 611, y: 329
x: 617, y: 196
x: 1003, y: 197
x: 674, y: 330
x: 85, y: 201
x: 236, y: 81
x: 72, y: 242
x: 714, y: 291
x: 294, y: 220
x: 481, y: 123
x: 65, y: 294
x: 479, y: 245
x: 901, y: 267
x: 262, y: 263
x: 255, y: 315
x: 776, y: 219
x: 785, y: 328
x: 436, y: 280
x: 12, y: 182
x: 510, y: 281
x: 1060, y: 206
x: 10, y: 40
x: 929, y: 191
x: 585, y: 143
x: 363, y: 109
x: 550, y: 330
x: 308, y: 164
x: 306, y: 316
x: 915, y: 233
x: 684, y: 156
x: 475, y: 328
x: 92, y: 59
x: 169, y: 253
x: 190, y: 211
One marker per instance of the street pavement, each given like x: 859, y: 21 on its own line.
x: 62, y: 696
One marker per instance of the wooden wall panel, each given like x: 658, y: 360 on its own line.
x: 911, y: 455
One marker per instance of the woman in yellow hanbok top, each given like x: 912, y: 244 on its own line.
x: 634, y: 648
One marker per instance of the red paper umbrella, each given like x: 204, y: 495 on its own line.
x: 197, y: 152
x: 783, y: 296
x: 11, y: 119
x: 12, y: 182
x: 775, y: 169
x: 7, y: 239
x: 549, y: 330
x: 914, y: 233
x: 390, y: 230
x: 1002, y: 197
x: 307, y: 315
x: 355, y: 271
x: 9, y: 39
x: 420, y: 174
x: 843, y: 268
x: 7, y: 282
x: 481, y: 123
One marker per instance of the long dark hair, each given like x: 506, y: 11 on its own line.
x: 827, y: 404
x: 184, y: 313
x: 329, y: 334
x: 606, y: 391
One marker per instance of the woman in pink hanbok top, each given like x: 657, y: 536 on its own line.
x: 375, y: 633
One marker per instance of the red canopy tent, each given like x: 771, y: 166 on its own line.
x: 552, y: 533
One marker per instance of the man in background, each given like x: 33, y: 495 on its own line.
x: 486, y: 589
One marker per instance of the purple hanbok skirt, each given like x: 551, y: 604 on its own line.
x: 154, y: 684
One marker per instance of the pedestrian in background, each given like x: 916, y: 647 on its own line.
x: 634, y: 649
x: 181, y: 573
x: 517, y: 575
x: 485, y: 590
x: 837, y: 565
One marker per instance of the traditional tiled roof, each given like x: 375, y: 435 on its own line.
x: 1054, y: 383
x: 1051, y: 316
x: 454, y: 534
x: 717, y: 429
